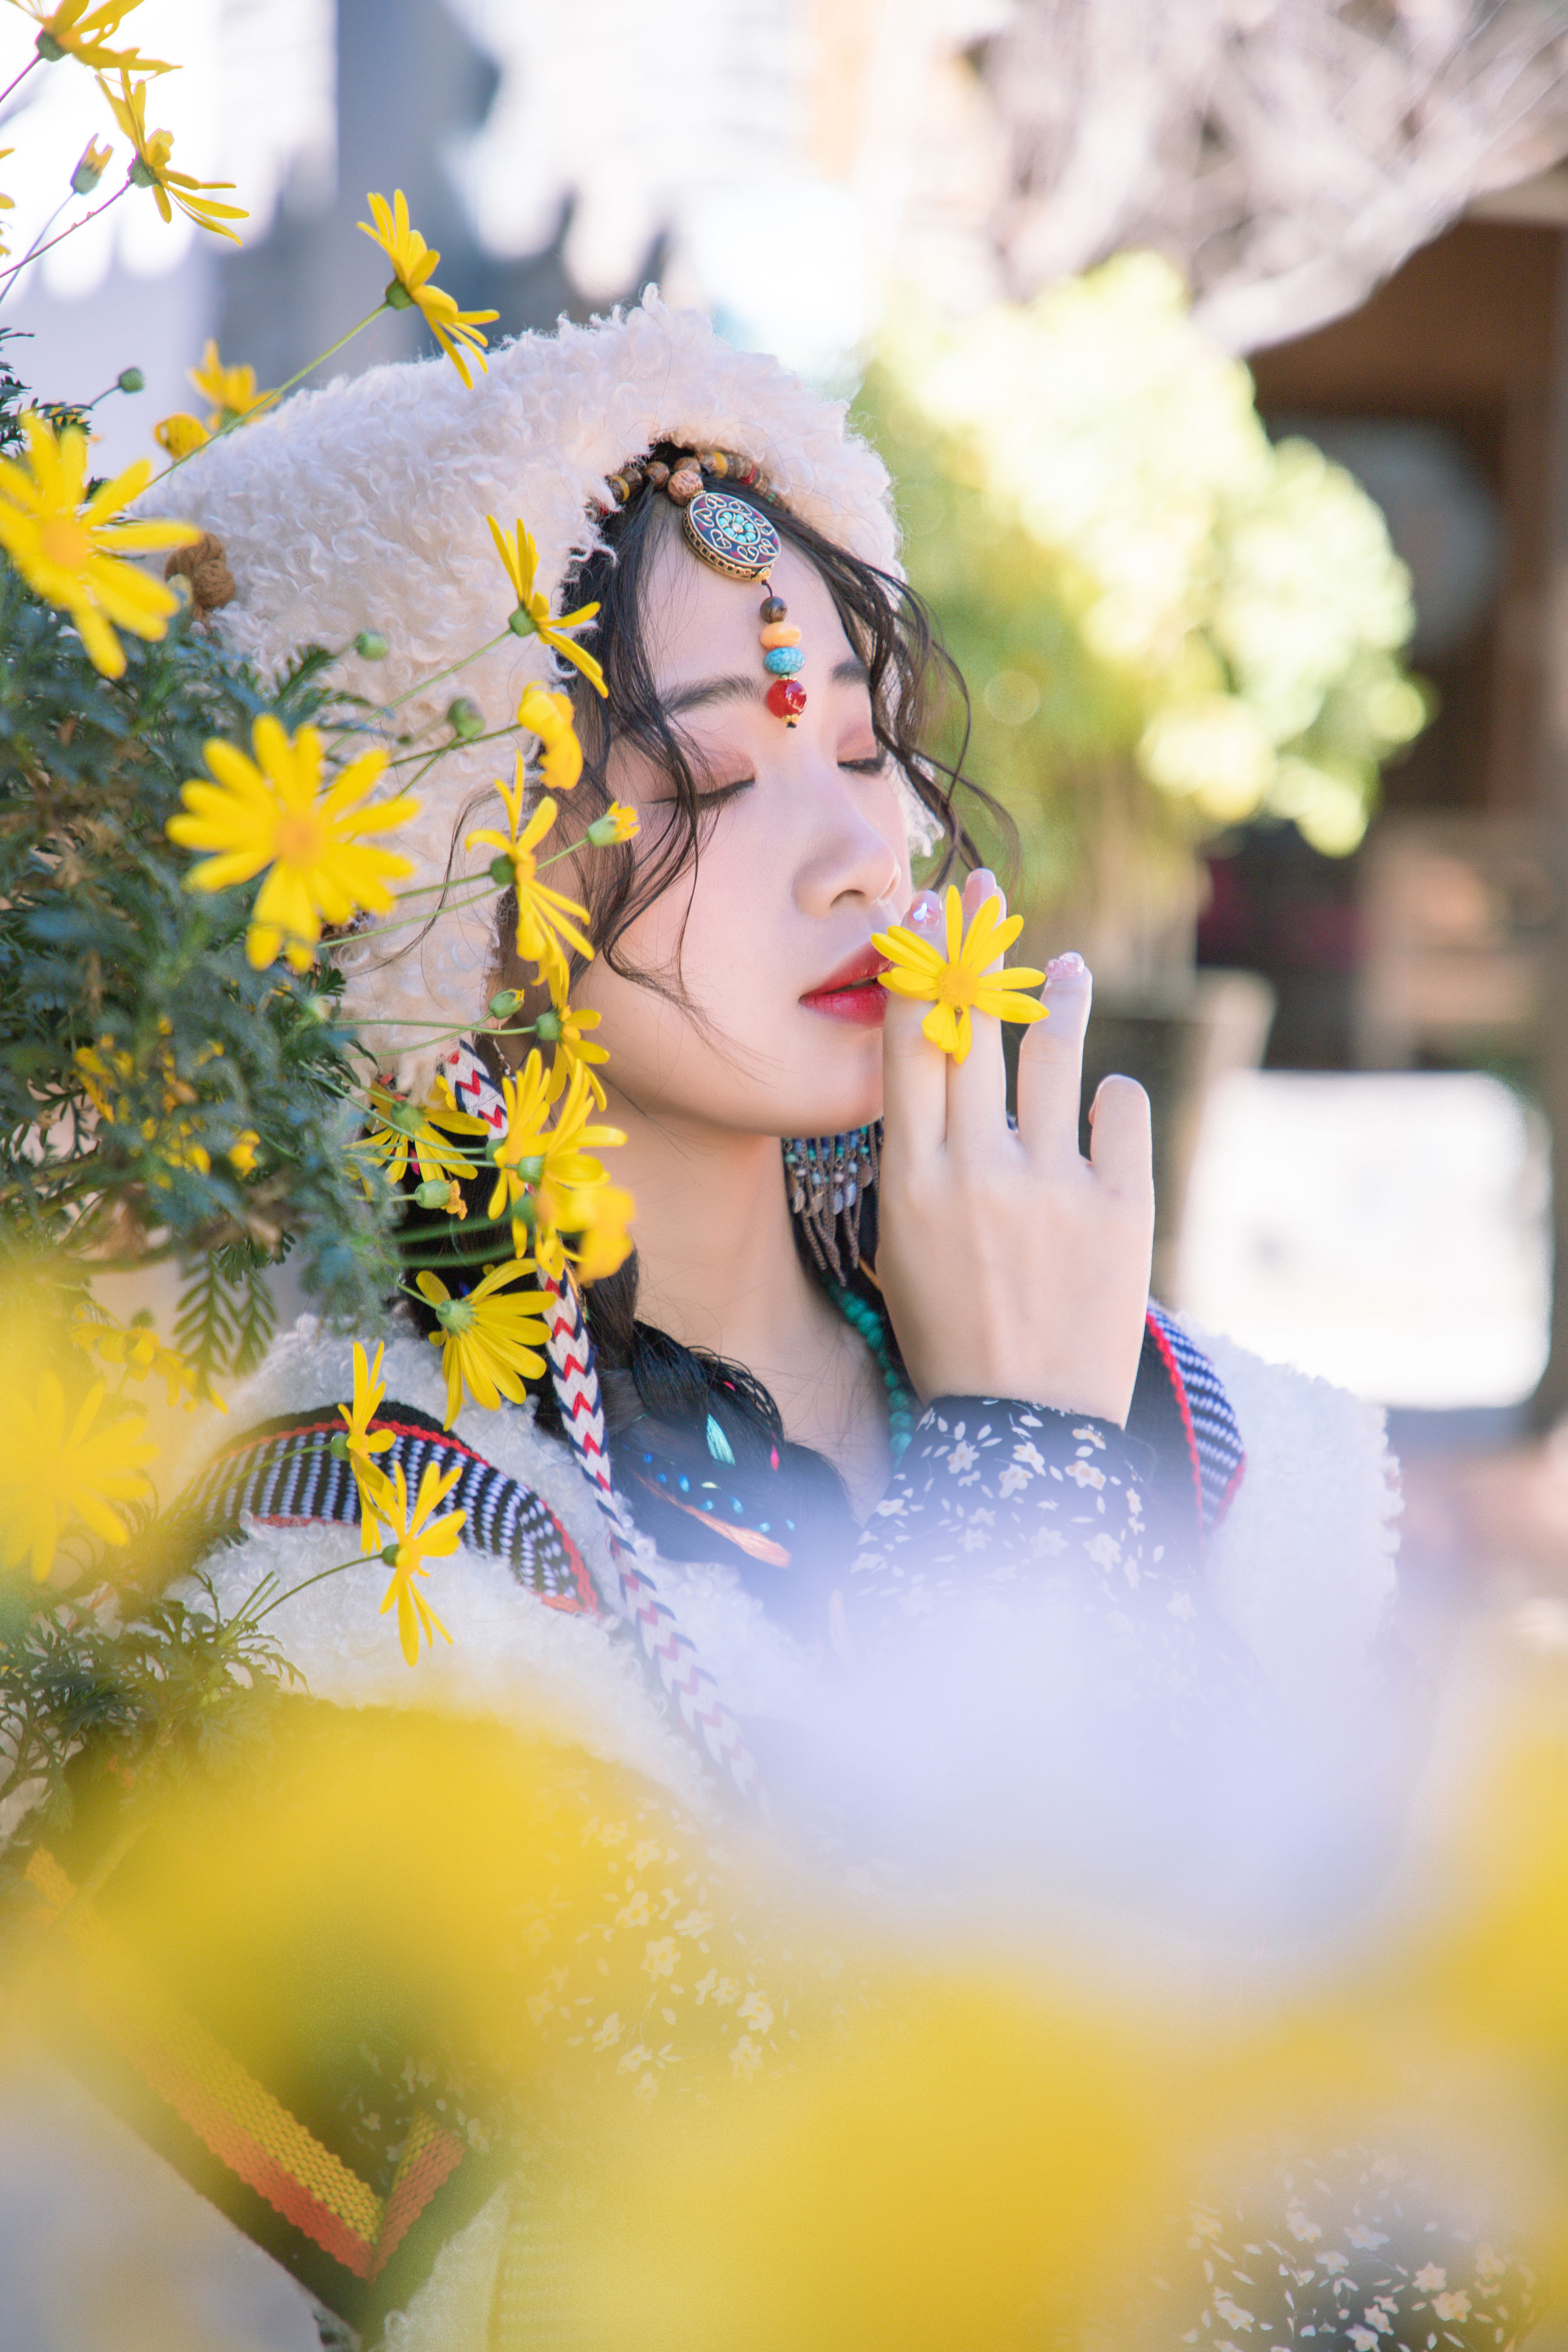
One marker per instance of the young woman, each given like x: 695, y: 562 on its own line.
x: 917, y: 1514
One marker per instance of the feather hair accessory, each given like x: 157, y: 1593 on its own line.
x: 363, y: 506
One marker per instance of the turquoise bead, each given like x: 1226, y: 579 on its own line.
x: 783, y: 660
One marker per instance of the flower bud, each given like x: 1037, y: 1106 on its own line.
x: 504, y: 1003
x: 465, y: 719
x: 90, y: 169
x: 130, y: 380
x: 547, y: 1028
x: 521, y: 622
x: 433, y: 1193
x: 338, y: 1448
x: 370, y: 645
x: 501, y: 870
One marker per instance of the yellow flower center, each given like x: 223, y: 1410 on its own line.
x: 957, y: 985
x: 66, y: 542
x: 301, y: 838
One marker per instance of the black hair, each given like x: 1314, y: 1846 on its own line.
x: 648, y: 1378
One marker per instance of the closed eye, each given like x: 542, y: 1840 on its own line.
x: 874, y: 766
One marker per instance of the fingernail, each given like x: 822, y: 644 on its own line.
x: 1070, y: 966
x: 925, y: 909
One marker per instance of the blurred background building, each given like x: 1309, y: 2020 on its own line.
x: 1212, y: 624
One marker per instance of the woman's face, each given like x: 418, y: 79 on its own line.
x: 803, y: 858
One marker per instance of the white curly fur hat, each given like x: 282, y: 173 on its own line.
x: 363, y: 506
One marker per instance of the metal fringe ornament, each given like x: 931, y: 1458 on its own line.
x: 828, y: 1177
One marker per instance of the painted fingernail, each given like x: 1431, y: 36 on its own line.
x: 925, y: 910
x: 1070, y: 966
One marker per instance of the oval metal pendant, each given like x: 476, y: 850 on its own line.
x: 730, y: 535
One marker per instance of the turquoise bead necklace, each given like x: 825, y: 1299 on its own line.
x: 903, y: 1408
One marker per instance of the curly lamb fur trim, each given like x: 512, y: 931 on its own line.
x: 363, y: 506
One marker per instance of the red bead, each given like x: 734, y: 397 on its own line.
x: 785, y: 699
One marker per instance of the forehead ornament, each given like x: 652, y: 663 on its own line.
x: 729, y: 536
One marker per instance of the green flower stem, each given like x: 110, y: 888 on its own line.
x: 231, y: 424
x: 494, y: 736
x: 35, y: 250
x: 36, y: 59
x: 475, y: 899
x: 450, y: 671
x: 320, y: 1578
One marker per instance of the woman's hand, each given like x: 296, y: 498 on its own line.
x: 1011, y: 1265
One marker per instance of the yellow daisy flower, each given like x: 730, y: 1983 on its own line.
x: 408, y: 1131
x: 271, y: 813
x: 531, y: 617
x: 53, y: 1471
x: 231, y: 390
x: 545, y: 1173
x: 360, y: 1448
x: 484, y: 1338
x: 70, y: 31
x: 549, y: 716
x: 567, y: 1032
x: 71, y: 554
x: 416, y: 1538
x: 151, y: 167
x: 958, y: 982
x: 412, y: 261
x: 544, y: 916
x: 138, y: 1353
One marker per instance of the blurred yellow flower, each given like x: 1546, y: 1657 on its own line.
x: 110, y: 1072
x: 549, y: 716
x: 52, y: 1471
x: 532, y: 618
x: 231, y: 390
x: 567, y: 1032
x: 485, y: 1337
x: 361, y: 1445
x: 90, y: 167
x: 546, y: 1174
x: 605, y: 1242
x: 416, y: 1538
x: 180, y: 433
x: 544, y: 916
x: 958, y: 982
x: 151, y: 167
x: 139, y: 1352
x: 242, y: 1151
x: 271, y: 813
x: 406, y: 1131
x: 70, y: 553
x: 412, y: 261
x: 70, y: 31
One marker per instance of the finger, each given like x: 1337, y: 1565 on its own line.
x: 1050, y: 1063
x: 914, y: 1081
x: 1121, y: 1140
x: 977, y: 1087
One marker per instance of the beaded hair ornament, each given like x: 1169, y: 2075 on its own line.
x: 730, y: 537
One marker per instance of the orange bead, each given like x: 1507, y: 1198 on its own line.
x: 779, y: 632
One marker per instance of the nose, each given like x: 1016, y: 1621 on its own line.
x: 845, y: 852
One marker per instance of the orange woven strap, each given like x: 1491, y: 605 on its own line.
x: 234, y: 2114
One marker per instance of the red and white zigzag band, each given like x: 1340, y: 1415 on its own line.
x: 688, y: 1683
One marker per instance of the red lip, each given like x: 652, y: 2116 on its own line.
x: 851, y: 993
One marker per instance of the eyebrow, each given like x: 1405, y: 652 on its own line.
x: 713, y: 691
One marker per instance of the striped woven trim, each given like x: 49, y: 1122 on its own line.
x: 234, y: 2116
x: 1214, y: 1442
x: 283, y: 1473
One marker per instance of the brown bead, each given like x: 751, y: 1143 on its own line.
x: 621, y: 488
x: 656, y: 472
x: 633, y: 476
x: 684, y: 484
x: 774, y: 609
